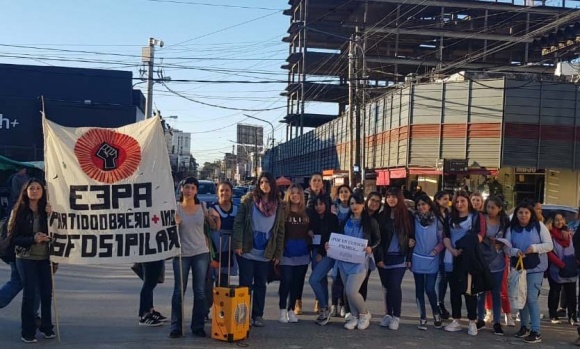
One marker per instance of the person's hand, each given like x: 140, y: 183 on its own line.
x: 276, y: 261
x: 381, y: 264
x: 521, y: 254
x: 368, y: 250
x: 529, y: 250
x: 319, y: 258
x: 326, y: 246
x: 48, y: 209
x: 480, y: 238
x: 215, y: 264
x: 177, y: 219
x: 456, y: 253
x: 411, y: 243
x: 408, y: 265
x: 41, y: 237
x: 433, y: 253
x: 54, y: 267
x: 238, y: 251
x: 311, y: 234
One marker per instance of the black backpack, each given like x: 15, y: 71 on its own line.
x: 6, y: 247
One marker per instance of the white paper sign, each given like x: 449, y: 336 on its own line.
x: 346, y: 248
x: 316, y: 239
x: 111, y: 193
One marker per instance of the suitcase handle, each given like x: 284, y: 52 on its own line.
x: 229, y: 235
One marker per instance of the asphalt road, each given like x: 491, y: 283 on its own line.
x: 97, y: 308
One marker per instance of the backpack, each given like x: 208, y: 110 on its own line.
x: 6, y: 248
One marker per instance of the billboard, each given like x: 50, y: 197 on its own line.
x: 250, y: 135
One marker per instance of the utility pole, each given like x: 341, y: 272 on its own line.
x: 357, y: 124
x: 350, y: 112
x: 148, y: 56
x: 256, y: 154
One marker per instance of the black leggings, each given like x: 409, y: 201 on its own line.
x: 569, y: 289
x: 455, y: 287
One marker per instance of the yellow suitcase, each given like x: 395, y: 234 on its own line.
x: 231, y: 309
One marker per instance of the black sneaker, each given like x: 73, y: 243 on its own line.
x: 497, y: 330
x: 28, y: 339
x: 480, y: 324
x: 148, y: 320
x: 175, y: 334
x: 199, y: 333
x: 534, y: 337
x: 49, y: 334
x: 157, y: 316
x: 523, y: 332
x: 444, y: 313
x: 437, y: 323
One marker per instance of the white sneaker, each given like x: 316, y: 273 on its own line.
x: 394, y: 325
x: 342, y: 312
x: 351, y: 323
x: 210, y: 313
x: 488, y: 316
x: 364, y: 320
x: 292, y: 317
x: 509, y: 320
x: 348, y: 316
x: 386, y: 321
x: 283, y: 316
x: 472, y: 329
x: 454, y: 326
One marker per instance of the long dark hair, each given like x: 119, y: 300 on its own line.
x: 338, y: 191
x: 371, y: 194
x: 401, y: 220
x: 440, y: 194
x: 365, y: 219
x: 189, y: 180
x: 502, y: 216
x: 426, y: 199
x: 23, y: 202
x: 258, y: 193
x: 515, y: 222
x: 454, y: 213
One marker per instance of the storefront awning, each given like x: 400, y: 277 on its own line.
x: 383, y: 177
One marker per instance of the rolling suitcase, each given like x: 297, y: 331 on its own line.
x: 231, y: 306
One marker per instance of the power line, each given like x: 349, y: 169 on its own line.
x: 215, y: 5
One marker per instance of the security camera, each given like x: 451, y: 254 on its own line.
x: 161, y: 43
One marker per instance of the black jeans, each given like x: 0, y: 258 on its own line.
x: 254, y: 274
x: 151, y: 273
x: 455, y: 288
x: 35, y: 274
x: 554, y: 297
x: 337, y: 291
x: 291, y: 284
x: 391, y: 279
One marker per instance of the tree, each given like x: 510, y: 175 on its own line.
x: 209, y: 169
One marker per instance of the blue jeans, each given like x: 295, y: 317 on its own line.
x: 292, y: 284
x: 441, y: 284
x: 425, y: 283
x: 391, y: 280
x: 253, y: 274
x: 35, y: 275
x: 13, y: 287
x: 198, y: 265
x: 319, y: 280
x: 151, y: 273
x: 497, y: 278
x: 531, y: 311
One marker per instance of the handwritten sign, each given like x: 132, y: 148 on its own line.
x: 346, y: 248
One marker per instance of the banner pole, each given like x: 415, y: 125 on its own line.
x: 57, y: 322
x: 181, y: 291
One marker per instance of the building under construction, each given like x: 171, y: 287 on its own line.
x: 431, y: 80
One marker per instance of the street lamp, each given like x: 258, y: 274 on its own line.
x: 255, y: 118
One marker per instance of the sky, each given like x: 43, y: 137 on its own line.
x: 208, y: 40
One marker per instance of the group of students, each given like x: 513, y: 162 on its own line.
x: 444, y: 245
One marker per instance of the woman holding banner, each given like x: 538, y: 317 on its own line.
x: 359, y: 225
x: 259, y: 240
x: 191, y: 218
x: 28, y: 227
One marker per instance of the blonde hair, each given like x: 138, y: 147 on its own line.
x: 301, y: 204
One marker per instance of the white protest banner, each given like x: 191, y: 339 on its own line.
x: 111, y: 193
x: 346, y: 248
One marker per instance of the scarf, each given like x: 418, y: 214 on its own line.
x: 559, y: 237
x: 267, y: 208
x: 425, y: 219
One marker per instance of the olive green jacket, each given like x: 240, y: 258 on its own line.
x: 244, y: 233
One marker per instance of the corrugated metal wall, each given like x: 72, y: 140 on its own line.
x: 541, y: 120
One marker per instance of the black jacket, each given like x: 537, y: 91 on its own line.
x: 23, y: 232
x: 386, y: 225
x: 471, y: 261
x: 324, y: 226
x: 311, y: 199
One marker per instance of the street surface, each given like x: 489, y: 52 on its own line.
x: 97, y: 307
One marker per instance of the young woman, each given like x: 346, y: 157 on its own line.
x: 342, y: 212
x: 296, y: 256
x: 322, y: 223
x: 259, y: 240
x: 191, y: 216
x: 530, y: 239
x: 425, y: 260
x: 393, y: 256
x: 462, y: 223
x: 358, y: 225
x: 442, y: 199
x: 477, y: 202
x: 28, y: 229
x: 496, y: 223
x: 563, y: 271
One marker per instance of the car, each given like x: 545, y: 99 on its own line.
x: 237, y: 195
x: 549, y: 211
x: 207, y: 191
